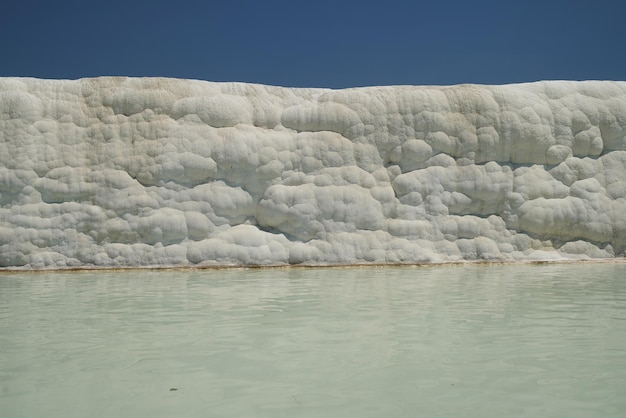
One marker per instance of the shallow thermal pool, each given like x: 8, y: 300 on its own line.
x: 455, y: 341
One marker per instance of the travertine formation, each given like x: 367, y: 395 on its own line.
x: 153, y: 172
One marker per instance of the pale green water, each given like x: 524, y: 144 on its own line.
x: 475, y: 341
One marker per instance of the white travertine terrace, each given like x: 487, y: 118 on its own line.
x: 121, y: 172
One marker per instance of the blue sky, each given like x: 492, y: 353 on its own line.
x: 322, y: 43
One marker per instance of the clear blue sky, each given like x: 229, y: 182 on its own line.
x: 321, y: 43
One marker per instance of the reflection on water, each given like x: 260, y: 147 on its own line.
x: 471, y: 341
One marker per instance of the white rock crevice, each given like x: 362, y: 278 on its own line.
x: 126, y: 172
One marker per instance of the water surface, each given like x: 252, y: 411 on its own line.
x: 458, y: 341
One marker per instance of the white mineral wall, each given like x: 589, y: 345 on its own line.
x: 152, y: 171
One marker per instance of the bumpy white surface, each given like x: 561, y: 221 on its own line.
x: 147, y: 172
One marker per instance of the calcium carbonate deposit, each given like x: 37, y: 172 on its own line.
x: 114, y: 172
